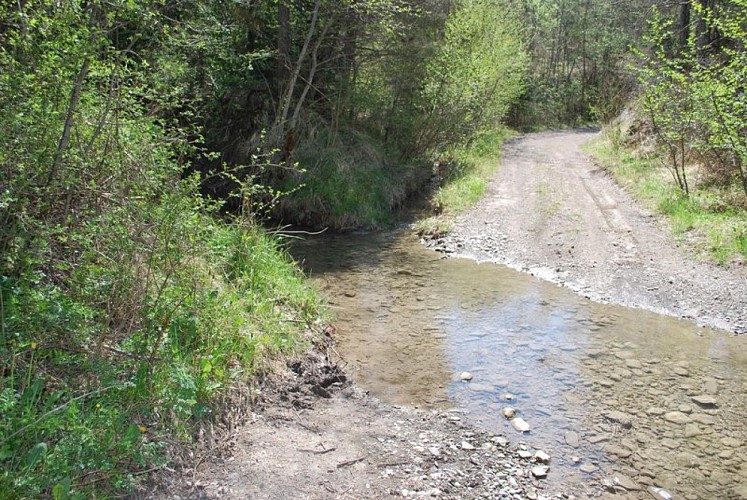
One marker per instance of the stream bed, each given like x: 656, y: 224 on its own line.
x: 605, y: 389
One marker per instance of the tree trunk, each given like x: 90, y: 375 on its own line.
x: 283, y: 42
x: 683, y: 24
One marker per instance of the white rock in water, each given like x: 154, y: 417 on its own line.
x: 540, y: 471
x: 520, y: 424
x: 466, y: 376
x: 659, y: 493
x: 509, y: 413
x: 542, y: 457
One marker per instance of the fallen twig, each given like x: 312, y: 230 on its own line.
x: 318, y: 452
x: 351, y: 462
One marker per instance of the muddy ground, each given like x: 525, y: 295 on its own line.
x: 550, y: 211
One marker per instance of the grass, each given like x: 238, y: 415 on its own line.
x: 109, y: 366
x: 465, y: 181
x: 706, y: 218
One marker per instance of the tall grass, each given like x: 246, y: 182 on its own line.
x: 349, y: 182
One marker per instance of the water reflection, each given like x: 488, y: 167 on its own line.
x: 604, y: 388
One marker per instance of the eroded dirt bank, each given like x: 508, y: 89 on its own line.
x: 552, y: 212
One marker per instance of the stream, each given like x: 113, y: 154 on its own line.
x: 606, y: 389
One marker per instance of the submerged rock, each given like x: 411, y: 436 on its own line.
x: 520, y: 424
x: 619, y: 417
x: 572, y: 439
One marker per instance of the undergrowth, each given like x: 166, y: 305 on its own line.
x: 349, y: 182
x: 707, y: 218
x: 464, y: 179
x: 129, y: 307
x: 107, y: 366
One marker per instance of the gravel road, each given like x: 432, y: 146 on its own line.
x: 552, y: 212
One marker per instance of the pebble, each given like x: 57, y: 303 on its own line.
x: 618, y: 451
x: 624, y: 419
x: 704, y: 419
x: 682, y: 372
x: 656, y: 411
x: 598, y: 439
x: 730, y: 442
x: 467, y: 446
x: 520, y: 424
x: 588, y: 468
x: 692, y: 430
x: 633, y: 363
x: 509, y: 412
x: 659, y: 493
x: 677, y: 417
x: 625, y: 482
x: 542, y: 457
x: 670, y: 443
x: 540, y: 471
x: 465, y: 376
x: 710, y: 386
x: 705, y: 401
x: 500, y: 441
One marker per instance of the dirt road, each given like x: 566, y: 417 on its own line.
x: 552, y: 212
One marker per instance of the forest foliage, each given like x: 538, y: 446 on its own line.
x: 693, y: 91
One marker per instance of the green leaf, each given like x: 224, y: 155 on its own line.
x: 61, y: 490
x: 35, y: 454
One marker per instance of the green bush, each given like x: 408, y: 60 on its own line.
x: 130, y: 307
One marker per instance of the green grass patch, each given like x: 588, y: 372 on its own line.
x: 465, y: 181
x: 707, y: 219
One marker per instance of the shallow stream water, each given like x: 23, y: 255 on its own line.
x: 606, y: 389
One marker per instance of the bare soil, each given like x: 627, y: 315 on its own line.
x: 550, y: 211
